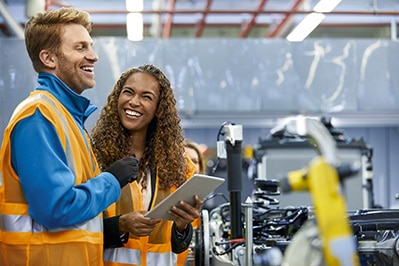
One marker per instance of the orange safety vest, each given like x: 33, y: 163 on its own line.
x: 22, y: 240
x: 152, y: 250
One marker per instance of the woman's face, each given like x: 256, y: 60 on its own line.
x: 138, y: 101
x: 194, y: 157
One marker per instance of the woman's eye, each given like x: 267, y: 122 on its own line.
x: 127, y: 91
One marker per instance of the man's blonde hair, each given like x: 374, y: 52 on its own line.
x: 44, y: 31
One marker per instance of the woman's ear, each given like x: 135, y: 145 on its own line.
x: 47, y: 58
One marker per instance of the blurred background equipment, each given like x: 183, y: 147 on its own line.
x: 322, y: 179
x: 282, y: 151
x: 288, y: 232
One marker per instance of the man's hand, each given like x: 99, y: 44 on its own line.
x: 124, y: 170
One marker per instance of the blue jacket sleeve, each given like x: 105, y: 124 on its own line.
x: 48, y: 184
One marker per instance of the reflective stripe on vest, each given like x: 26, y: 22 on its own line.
x: 154, y: 258
x: 25, y: 224
x: 133, y: 257
x: 123, y: 255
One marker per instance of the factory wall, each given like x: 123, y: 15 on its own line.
x: 253, y: 82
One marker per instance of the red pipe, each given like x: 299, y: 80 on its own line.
x: 171, y: 11
x: 249, y: 25
x: 201, y: 23
x: 167, y: 28
x: 283, y: 23
x: 233, y: 12
x: 223, y: 25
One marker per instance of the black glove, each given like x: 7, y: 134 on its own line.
x: 125, y: 170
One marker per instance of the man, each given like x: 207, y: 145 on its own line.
x: 52, y: 193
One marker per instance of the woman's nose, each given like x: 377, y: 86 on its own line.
x: 134, y: 100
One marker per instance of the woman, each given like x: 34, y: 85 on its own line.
x: 193, y: 150
x: 140, y: 119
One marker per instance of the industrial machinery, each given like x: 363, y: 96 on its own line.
x: 282, y: 151
x: 377, y: 235
x: 261, y: 231
x: 226, y: 239
x: 322, y: 179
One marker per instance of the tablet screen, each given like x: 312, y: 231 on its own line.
x: 198, y: 184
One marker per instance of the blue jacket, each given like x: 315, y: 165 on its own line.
x: 55, y: 201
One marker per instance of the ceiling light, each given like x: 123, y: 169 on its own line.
x: 134, y: 5
x: 305, y: 27
x: 326, y: 5
x: 311, y: 21
x: 34, y: 6
x: 134, y: 26
x: 134, y: 20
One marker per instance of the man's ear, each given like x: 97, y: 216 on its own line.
x: 47, y: 58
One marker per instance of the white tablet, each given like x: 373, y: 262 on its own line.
x: 199, y: 184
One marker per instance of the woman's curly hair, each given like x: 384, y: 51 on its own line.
x: 164, y: 149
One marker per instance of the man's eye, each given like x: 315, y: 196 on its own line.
x: 82, y: 47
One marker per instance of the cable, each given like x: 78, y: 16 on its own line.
x: 228, y: 249
x: 220, y: 133
x: 211, y: 196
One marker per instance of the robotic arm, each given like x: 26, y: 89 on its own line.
x: 321, y: 178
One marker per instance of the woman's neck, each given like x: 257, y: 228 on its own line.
x: 137, y: 146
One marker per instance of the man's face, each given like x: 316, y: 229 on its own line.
x: 75, y: 59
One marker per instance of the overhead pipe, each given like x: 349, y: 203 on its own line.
x: 251, y: 22
x: 201, y: 23
x: 276, y: 32
x: 18, y: 30
x: 14, y: 27
x: 167, y: 28
x: 284, y: 23
x: 98, y: 25
x: 242, y: 11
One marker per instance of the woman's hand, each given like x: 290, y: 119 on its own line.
x: 136, y: 224
x: 185, y: 213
